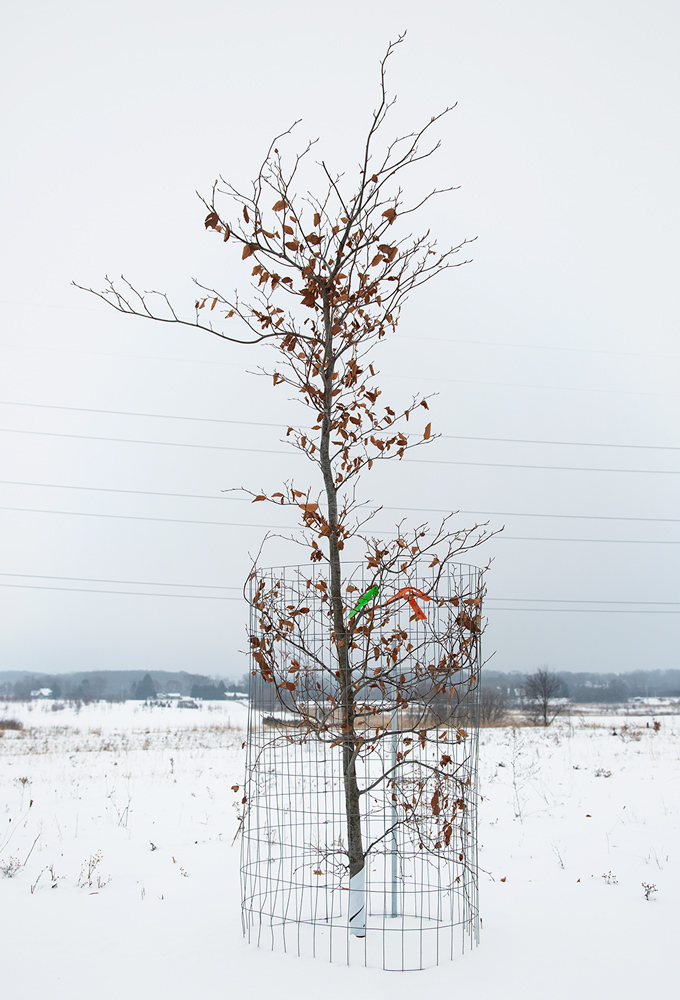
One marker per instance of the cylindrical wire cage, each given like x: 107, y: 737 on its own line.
x: 416, y: 767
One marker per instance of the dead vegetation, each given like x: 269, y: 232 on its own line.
x: 10, y: 724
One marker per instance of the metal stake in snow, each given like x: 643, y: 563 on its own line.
x: 395, y: 821
x: 357, y: 904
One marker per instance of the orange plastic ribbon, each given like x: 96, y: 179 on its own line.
x: 409, y: 594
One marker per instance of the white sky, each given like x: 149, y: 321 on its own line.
x: 565, y: 327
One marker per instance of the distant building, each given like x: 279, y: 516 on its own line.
x: 42, y: 693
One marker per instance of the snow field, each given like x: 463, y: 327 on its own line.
x: 121, y: 878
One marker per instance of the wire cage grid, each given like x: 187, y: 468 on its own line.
x: 420, y: 880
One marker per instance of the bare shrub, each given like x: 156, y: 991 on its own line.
x: 10, y: 724
x: 90, y: 876
x: 649, y: 888
x: 10, y: 867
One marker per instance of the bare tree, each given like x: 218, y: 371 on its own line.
x: 541, y: 689
x: 330, y: 274
x: 493, y: 706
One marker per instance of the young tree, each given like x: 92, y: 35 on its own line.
x: 541, y: 688
x: 330, y: 273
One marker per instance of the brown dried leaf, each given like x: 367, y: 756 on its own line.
x: 279, y: 206
x: 248, y: 251
x: 212, y: 220
x: 428, y: 431
x: 390, y: 215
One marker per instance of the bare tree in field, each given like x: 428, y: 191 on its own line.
x: 541, y: 688
x: 330, y: 273
x: 493, y: 707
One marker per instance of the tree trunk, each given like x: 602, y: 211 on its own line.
x: 355, y: 850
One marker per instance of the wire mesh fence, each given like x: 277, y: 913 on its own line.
x: 409, y: 736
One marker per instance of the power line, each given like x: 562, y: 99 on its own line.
x: 270, y: 451
x: 257, y: 423
x: 398, y: 336
x: 514, y: 513
x: 551, y: 468
x: 134, y: 413
x: 575, y: 444
x: 277, y: 527
x: 426, y: 378
x: 588, y: 611
x: 617, y: 541
x: 538, y: 347
x: 214, y: 597
x: 129, y: 593
x: 419, y: 510
x: 115, y: 354
x: 135, y: 583
x: 564, y: 600
x: 531, y: 385
x: 136, y: 517
x: 166, y: 444
x: 207, y: 586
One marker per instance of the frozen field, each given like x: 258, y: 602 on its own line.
x: 121, y: 878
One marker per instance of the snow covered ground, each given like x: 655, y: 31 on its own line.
x: 119, y: 878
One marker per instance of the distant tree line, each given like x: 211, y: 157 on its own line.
x: 499, y: 690
x: 114, y: 685
x: 587, y: 688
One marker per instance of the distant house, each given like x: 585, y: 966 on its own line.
x: 42, y: 693
x: 174, y: 698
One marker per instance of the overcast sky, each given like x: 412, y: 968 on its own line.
x: 563, y: 329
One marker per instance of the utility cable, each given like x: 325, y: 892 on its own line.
x: 283, y: 528
x: 411, y: 377
x: 257, y: 423
x: 207, y: 586
x: 129, y: 593
x: 398, y: 336
x: 215, y: 597
x: 270, y: 451
x: 418, y: 510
